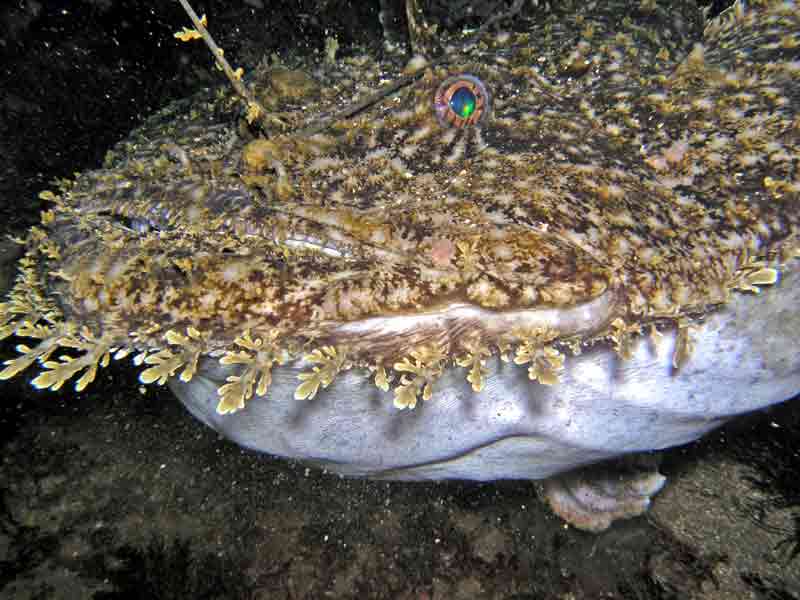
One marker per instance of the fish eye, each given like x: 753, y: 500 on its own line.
x: 461, y: 101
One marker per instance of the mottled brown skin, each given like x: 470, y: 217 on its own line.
x: 619, y: 168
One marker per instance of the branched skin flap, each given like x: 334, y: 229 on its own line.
x: 577, y: 185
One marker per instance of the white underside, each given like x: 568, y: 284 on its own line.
x: 745, y: 357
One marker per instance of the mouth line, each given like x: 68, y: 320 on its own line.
x: 395, y: 334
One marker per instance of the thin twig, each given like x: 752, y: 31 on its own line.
x: 357, y: 107
x: 235, y: 78
x: 354, y: 108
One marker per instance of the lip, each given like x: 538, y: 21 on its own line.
x: 397, y: 334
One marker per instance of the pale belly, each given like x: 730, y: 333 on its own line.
x: 745, y: 357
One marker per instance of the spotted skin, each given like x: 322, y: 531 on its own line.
x: 624, y: 173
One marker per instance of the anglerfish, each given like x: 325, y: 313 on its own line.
x: 569, y: 240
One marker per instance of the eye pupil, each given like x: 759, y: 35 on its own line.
x: 463, y: 102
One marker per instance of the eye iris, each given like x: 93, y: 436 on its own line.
x: 463, y: 103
